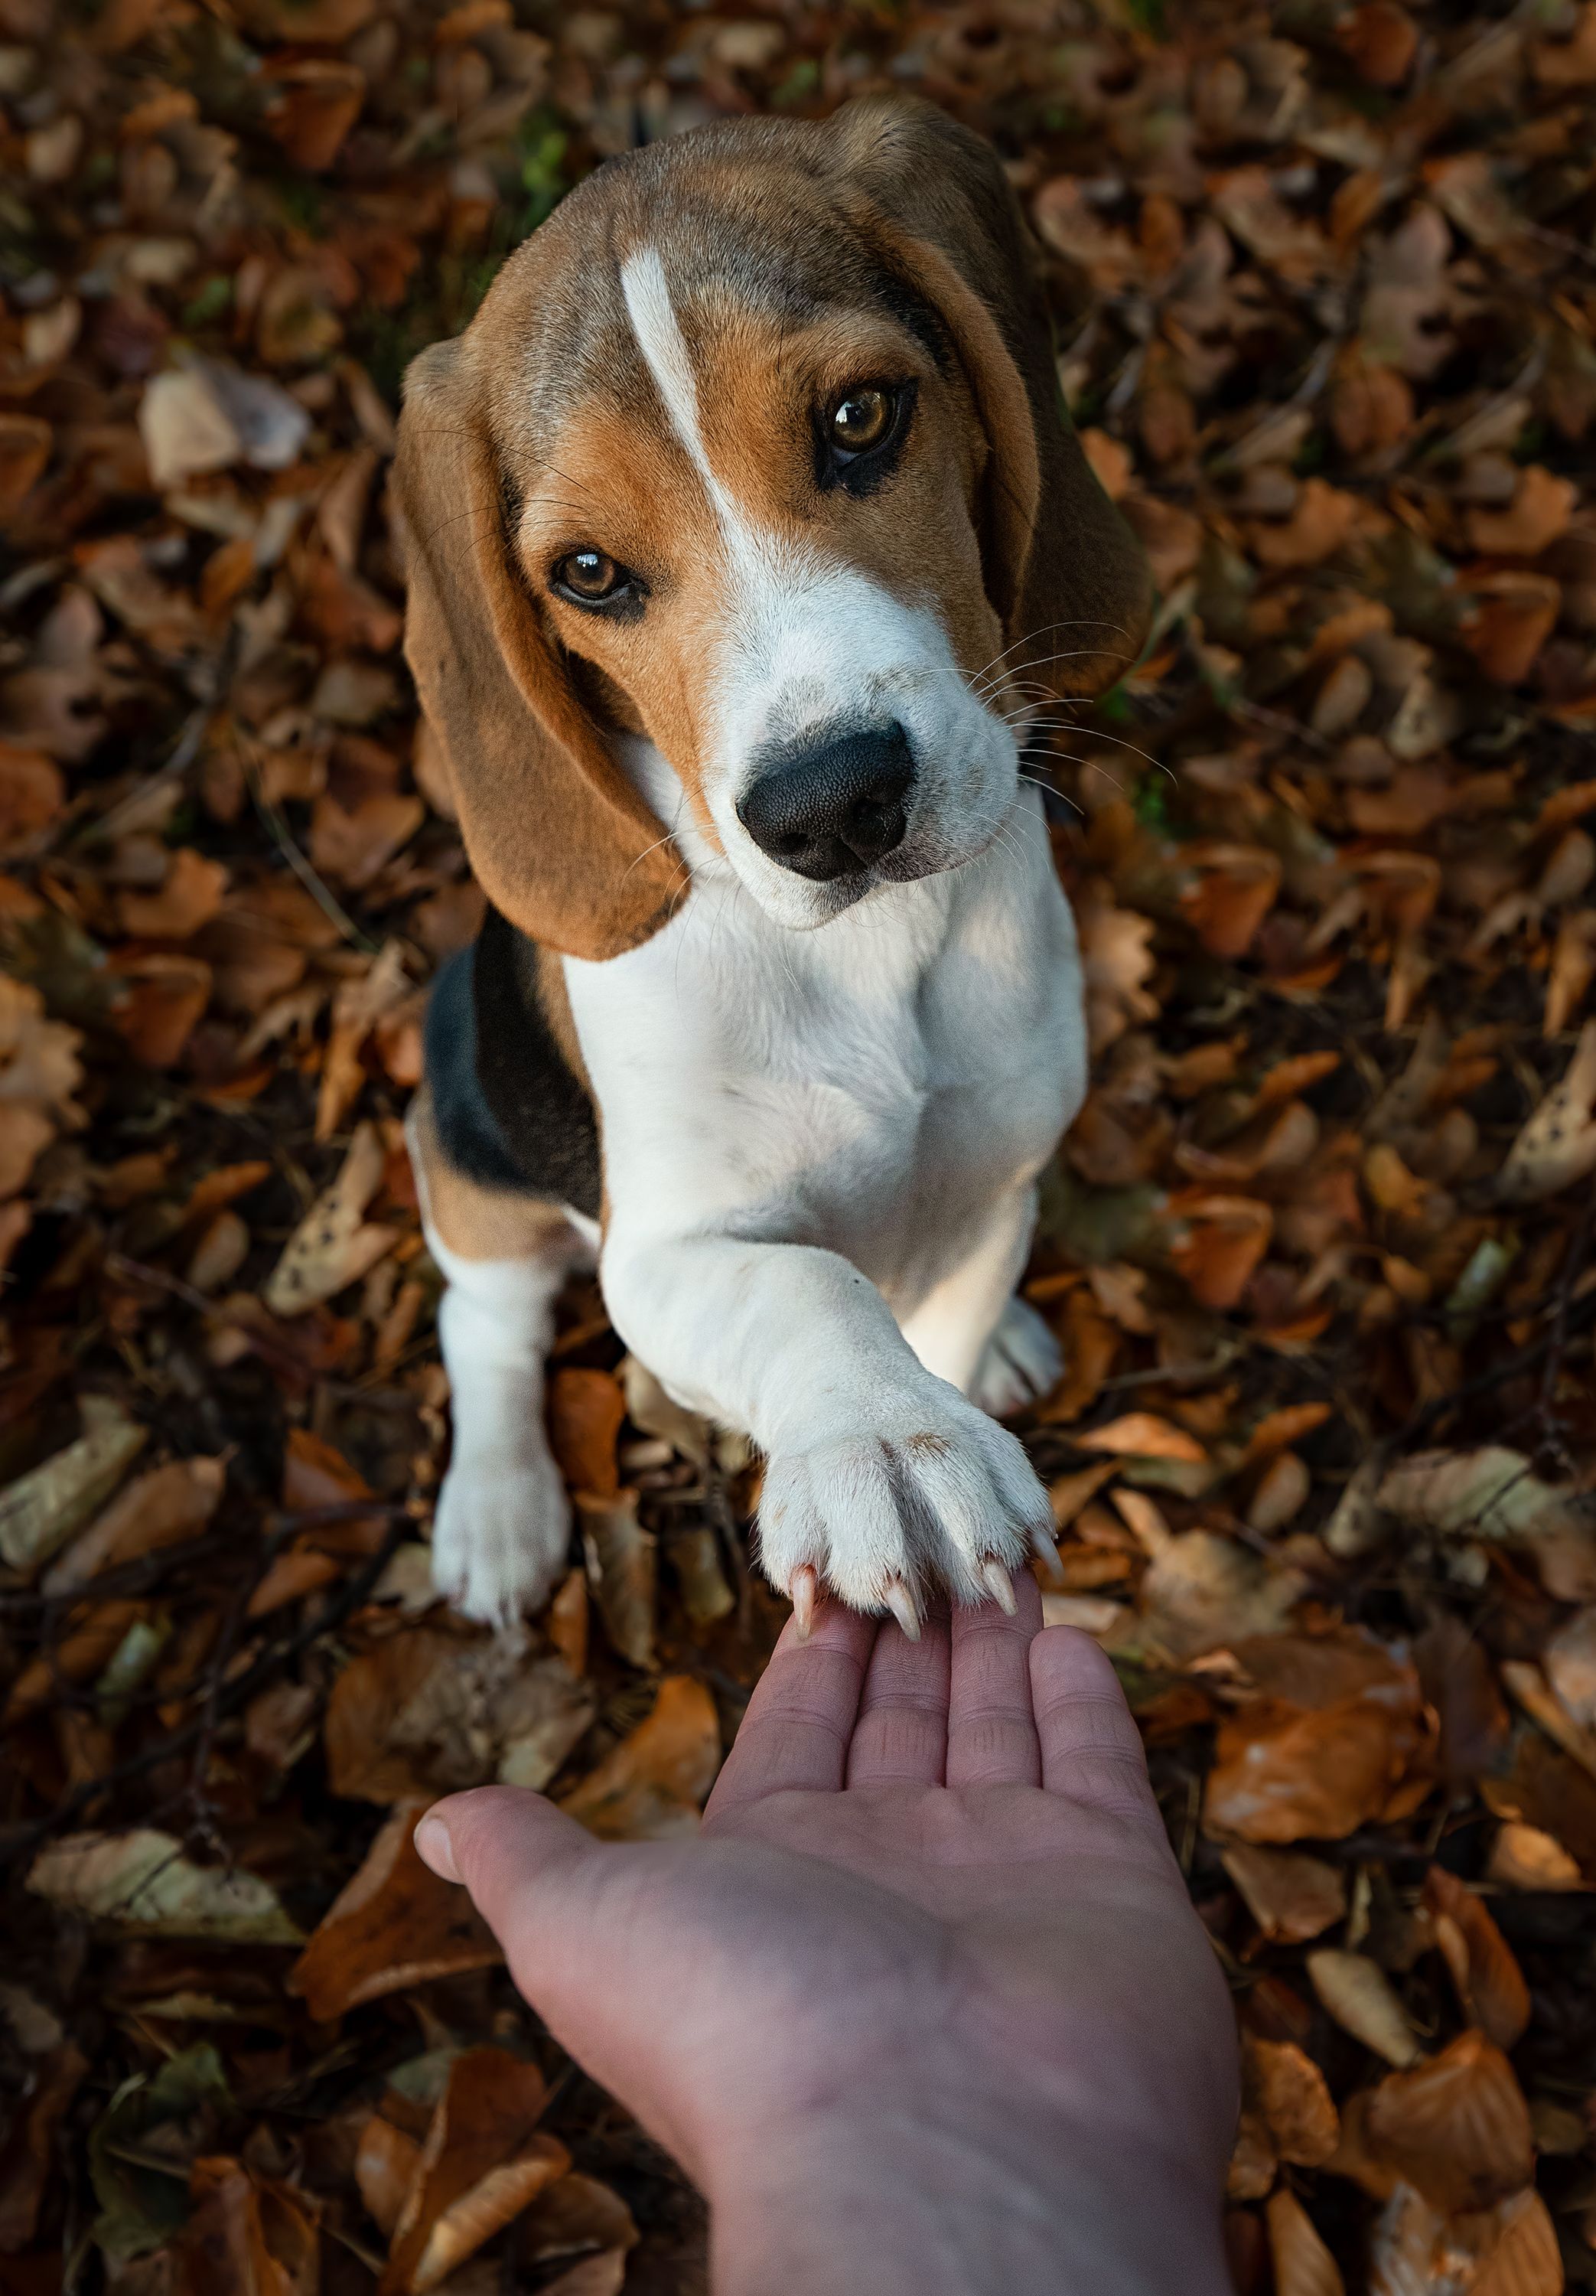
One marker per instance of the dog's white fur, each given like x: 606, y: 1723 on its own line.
x: 820, y: 1148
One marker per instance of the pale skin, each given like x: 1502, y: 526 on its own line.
x: 925, y: 2008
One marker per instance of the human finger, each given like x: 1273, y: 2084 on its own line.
x: 900, y: 1737
x: 1090, y: 1747
x: 991, y: 1728
x: 795, y: 1733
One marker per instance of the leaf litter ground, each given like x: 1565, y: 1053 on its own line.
x: 1320, y: 1247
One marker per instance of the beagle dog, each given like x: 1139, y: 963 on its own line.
x: 746, y: 535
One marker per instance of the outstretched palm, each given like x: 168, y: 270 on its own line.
x: 932, y: 1904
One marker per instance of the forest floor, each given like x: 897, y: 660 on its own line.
x: 1320, y: 1247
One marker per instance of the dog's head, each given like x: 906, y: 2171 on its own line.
x: 756, y: 449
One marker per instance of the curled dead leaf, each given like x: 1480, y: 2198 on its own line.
x: 1455, y: 2127
x: 1490, y: 1984
x: 1291, y: 1896
x: 1283, y: 2085
x: 1365, y: 2003
x: 393, y: 1924
x: 652, y: 1786
x: 333, y: 1245
x: 483, y: 2160
x: 141, y: 1881
x: 1303, y: 2265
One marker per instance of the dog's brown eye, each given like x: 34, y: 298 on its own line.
x: 861, y: 421
x: 589, y: 576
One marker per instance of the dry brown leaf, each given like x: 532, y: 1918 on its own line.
x: 386, y: 2165
x: 141, y: 1881
x: 246, y: 2233
x: 1558, y: 1145
x: 1569, y: 1658
x: 43, y: 1509
x: 395, y: 1924
x: 1508, y: 2250
x: 191, y: 895
x: 1202, y: 1591
x: 1280, y: 1775
x: 1362, y: 1999
x: 585, y: 1411
x: 1291, y: 1896
x: 1216, y: 1244
x: 574, y: 2213
x: 1286, y: 2089
x: 623, y: 1572
x: 1303, y: 2265
x: 1523, y: 1858
x: 358, y: 1007
x: 1490, y: 1983
x: 653, y: 1783
x: 333, y: 1245
x: 1142, y: 1435
x: 483, y: 2160
x: 1533, y: 1691
x: 1455, y: 2127
x: 158, y: 1509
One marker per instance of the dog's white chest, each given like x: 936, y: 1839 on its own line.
x: 872, y: 1088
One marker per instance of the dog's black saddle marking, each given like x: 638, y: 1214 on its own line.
x: 510, y: 1111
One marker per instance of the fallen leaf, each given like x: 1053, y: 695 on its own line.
x: 42, y: 1510
x: 483, y: 2160
x: 1490, y: 1984
x: 586, y: 1409
x: 652, y: 1786
x: 140, y: 2147
x: 207, y: 415
x: 160, y: 1508
x: 1280, y: 1775
x: 1286, y: 2088
x: 1455, y: 2127
x: 1558, y: 1145
x: 1365, y: 2003
x: 141, y: 1880
x: 1303, y: 2265
x: 1290, y: 1895
x: 333, y: 1246
x: 395, y: 1924
x: 247, y: 2231
x: 622, y: 1571
x: 1142, y: 1435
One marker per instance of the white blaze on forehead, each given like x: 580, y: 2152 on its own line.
x: 659, y: 339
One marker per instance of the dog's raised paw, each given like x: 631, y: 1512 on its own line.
x: 500, y: 1538
x: 929, y: 1497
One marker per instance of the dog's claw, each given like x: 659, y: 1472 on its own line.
x: 999, y: 1586
x: 900, y: 1602
x: 803, y: 1590
x: 1044, y: 1541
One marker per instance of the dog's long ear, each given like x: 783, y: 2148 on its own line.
x: 562, y: 843
x: 1065, y: 573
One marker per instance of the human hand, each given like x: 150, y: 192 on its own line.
x: 925, y: 2007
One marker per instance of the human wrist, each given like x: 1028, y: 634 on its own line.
x: 948, y: 2199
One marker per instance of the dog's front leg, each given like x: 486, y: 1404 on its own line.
x: 882, y: 1478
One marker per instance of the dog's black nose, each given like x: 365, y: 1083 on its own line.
x: 832, y: 810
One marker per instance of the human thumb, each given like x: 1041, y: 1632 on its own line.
x: 533, y: 1874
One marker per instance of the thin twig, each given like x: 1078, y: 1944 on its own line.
x: 23, y: 1840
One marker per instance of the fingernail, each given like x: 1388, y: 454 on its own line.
x: 434, y: 1848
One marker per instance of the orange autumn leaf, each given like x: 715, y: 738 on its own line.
x: 586, y: 1410
x: 1142, y: 1435
x: 483, y: 2158
x: 395, y: 1924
